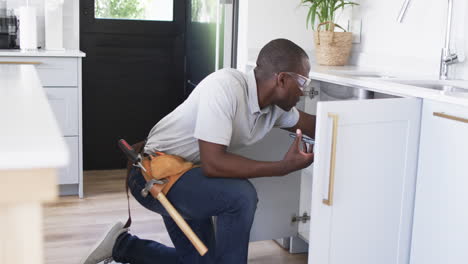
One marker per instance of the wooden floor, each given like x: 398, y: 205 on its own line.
x: 72, y: 225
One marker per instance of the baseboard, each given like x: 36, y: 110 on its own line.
x: 298, y: 245
x: 283, y: 242
x: 68, y: 189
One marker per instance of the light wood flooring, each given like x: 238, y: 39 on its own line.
x: 72, y: 225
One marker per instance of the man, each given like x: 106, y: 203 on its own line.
x: 226, y: 111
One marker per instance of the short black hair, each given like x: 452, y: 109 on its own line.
x: 279, y: 55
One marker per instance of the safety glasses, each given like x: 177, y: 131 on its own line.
x: 302, y: 81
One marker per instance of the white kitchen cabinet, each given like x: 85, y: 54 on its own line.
x: 52, y: 71
x: 305, y: 202
x: 70, y: 173
x: 440, y: 230
x: 307, y: 174
x: 376, y: 162
x: 64, y: 103
x: 364, y: 179
x: 60, y: 75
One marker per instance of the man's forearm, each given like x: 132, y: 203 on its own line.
x: 306, y: 124
x: 230, y: 165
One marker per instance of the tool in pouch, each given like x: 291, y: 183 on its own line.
x: 155, y: 186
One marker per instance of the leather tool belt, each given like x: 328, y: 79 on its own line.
x: 161, y: 166
x: 164, y: 166
x: 161, y: 171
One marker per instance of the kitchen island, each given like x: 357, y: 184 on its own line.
x: 31, y: 150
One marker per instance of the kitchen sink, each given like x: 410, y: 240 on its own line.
x: 458, y: 88
x: 362, y: 74
x: 371, y: 75
x: 446, y: 86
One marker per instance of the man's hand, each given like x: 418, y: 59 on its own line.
x: 217, y: 162
x: 297, y: 158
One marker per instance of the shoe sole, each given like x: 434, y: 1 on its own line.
x: 98, y: 243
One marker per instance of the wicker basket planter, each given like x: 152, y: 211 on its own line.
x: 332, y: 48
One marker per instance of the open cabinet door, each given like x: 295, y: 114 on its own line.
x: 364, y: 181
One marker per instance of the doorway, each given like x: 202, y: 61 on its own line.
x: 133, y: 72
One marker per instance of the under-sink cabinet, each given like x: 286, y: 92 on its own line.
x: 440, y: 231
x: 368, y: 147
x: 387, y: 185
x: 364, y: 179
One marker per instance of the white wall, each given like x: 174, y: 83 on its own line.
x: 413, y: 46
x: 71, y: 32
x: 271, y: 19
x: 266, y: 20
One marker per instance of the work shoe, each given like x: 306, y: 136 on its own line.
x: 102, y: 250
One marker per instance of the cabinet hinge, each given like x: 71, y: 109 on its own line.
x: 312, y: 93
x: 304, y: 218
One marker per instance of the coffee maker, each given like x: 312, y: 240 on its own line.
x: 8, y: 29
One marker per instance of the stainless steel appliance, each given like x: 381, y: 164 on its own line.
x: 211, y: 38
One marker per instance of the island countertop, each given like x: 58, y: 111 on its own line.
x: 29, y: 134
x: 41, y: 53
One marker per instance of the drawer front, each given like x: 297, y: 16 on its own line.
x: 64, y: 103
x: 53, y: 71
x: 443, y: 112
x: 69, y: 174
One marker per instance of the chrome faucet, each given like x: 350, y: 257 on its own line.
x: 447, y: 57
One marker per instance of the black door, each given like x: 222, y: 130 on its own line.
x: 211, y: 38
x: 201, y: 40
x: 133, y: 74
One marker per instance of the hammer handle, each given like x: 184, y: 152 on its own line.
x: 128, y: 150
x: 197, y: 243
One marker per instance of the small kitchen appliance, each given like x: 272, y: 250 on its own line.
x: 8, y: 29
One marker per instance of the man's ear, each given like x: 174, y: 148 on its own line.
x: 281, y: 79
x: 281, y: 88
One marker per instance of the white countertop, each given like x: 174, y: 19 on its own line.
x: 29, y: 134
x: 355, y: 76
x: 41, y: 53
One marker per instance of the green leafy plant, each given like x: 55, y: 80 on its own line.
x: 204, y: 10
x: 123, y: 9
x: 324, y: 11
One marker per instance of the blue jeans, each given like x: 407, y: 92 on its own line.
x: 197, y: 198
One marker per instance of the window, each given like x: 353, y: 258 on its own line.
x: 204, y: 11
x: 154, y: 10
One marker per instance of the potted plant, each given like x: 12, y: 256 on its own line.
x: 331, y: 48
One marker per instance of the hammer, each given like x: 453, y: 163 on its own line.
x: 154, y: 187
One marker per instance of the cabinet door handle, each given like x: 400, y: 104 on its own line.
x: 331, y: 180
x: 451, y: 117
x: 21, y: 62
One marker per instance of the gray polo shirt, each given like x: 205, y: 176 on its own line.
x: 222, y: 109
